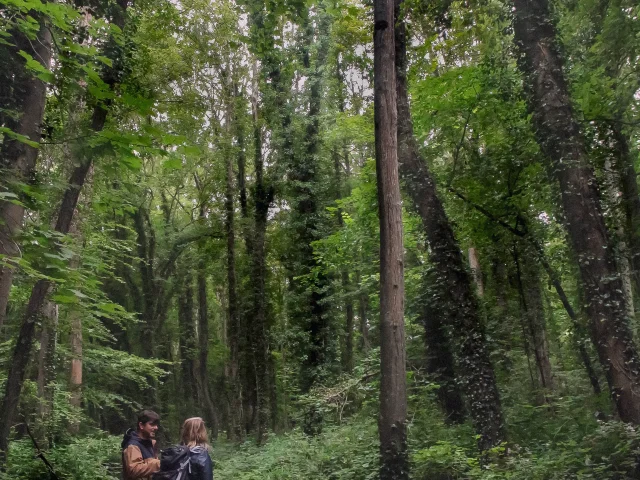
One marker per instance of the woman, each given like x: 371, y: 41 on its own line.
x: 194, y: 436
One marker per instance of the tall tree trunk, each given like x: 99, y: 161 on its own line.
x: 24, y: 343
x: 309, y: 308
x: 203, y: 352
x: 560, y: 139
x: 75, y: 380
x: 233, y: 318
x: 363, y: 303
x: 630, y: 197
x: 460, y: 307
x: 27, y: 97
x: 393, y: 389
x: 259, y: 329
x: 476, y: 271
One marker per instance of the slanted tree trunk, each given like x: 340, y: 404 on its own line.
x: 394, y: 464
x: 440, y: 363
x: 26, y: 95
x: 560, y: 139
x: 459, y: 309
x: 24, y: 343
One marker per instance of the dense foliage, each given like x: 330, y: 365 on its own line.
x: 189, y: 223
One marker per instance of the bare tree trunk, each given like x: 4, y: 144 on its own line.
x: 459, y: 307
x: 75, y: 380
x: 560, y: 139
x: 476, y: 271
x: 17, y: 159
x: 394, y: 463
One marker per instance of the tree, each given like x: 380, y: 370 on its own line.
x: 458, y: 305
x: 393, y: 394
x: 26, y: 95
x: 560, y: 139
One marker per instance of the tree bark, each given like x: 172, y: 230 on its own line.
x: 460, y: 307
x: 476, y: 271
x: 394, y: 463
x: 561, y: 141
x: 27, y: 96
x: 440, y: 363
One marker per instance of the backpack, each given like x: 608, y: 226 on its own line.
x: 175, y: 464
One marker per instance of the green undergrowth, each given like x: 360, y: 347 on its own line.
x: 547, y: 443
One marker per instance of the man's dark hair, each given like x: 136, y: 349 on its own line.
x: 147, y: 416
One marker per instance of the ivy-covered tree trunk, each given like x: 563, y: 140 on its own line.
x: 259, y: 331
x: 459, y: 307
x: 233, y: 316
x: 560, y: 139
x: 310, y: 283
x: 24, y: 94
x: 393, y: 390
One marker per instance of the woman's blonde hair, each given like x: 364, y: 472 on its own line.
x: 194, y: 433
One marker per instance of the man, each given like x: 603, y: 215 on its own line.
x: 139, y: 455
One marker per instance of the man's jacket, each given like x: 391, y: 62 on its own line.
x: 139, y: 457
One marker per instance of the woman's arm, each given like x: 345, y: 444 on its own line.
x: 208, y: 468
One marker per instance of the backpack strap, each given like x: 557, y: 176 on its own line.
x: 182, y: 468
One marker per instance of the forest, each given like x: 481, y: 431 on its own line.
x: 362, y: 239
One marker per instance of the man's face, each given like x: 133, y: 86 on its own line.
x: 147, y: 430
